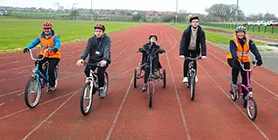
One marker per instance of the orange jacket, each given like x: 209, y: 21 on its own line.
x: 242, y: 51
x: 53, y: 41
x: 49, y: 42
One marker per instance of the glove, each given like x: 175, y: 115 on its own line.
x: 55, y: 50
x: 141, y: 50
x: 161, y: 51
x: 260, y: 62
x: 25, y: 50
x: 236, y: 64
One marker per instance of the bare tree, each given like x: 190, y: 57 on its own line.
x: 224, y: 12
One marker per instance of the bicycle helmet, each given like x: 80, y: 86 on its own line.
x: 100, y: 26
x: 153, y: 35
x: 240, y: 29
x: 47, y: 24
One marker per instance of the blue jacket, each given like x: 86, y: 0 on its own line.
x: 37, y: 40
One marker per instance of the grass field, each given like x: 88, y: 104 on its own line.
x: 214, y: 37
x: 16, y: 34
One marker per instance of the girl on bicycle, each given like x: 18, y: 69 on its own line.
x: 48, y: 38
x: 239, y: 53
x: 150, y: 47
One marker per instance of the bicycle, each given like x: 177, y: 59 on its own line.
x: 38, y: 80
x: 235, y: 94
x: 155, y: 75
x: 191, y: 76
x: 90, y: 88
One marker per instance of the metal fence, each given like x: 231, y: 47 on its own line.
x: 251, y: 28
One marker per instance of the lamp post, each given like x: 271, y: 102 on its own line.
x: 73, y: 10
x: 236, y: 12
x: 176, y: 11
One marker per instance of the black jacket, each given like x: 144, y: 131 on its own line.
x: 252, y: 47
x: 185, y: 41
x: 153, y: 49
x: 98, y: 48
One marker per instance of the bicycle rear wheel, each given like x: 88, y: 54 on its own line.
x: 86, y: 99
x: 135, y: 78
x: 32, y: 92
x: 192, y: 87
x: 106, y: 82
x: 164, y: 78
x: 251, y: 108
x: 150, y: 95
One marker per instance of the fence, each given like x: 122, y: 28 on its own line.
x: 252, y: 28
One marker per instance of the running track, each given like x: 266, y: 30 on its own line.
x: 124, y: 113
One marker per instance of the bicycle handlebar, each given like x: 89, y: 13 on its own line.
x: 39, y: 59
x: 252, y: 68
x: 91, y: 64
x: 190, y: 58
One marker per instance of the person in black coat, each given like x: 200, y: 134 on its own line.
x: 192, y: 38
x: 98, y: 47
x: 152, y: 48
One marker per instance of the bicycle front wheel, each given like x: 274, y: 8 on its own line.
x: 56, y: 71
x: 150, y: 95
x: 192, y: 87
x: 86, y: 99
x: 251, y: 108
x: 32, y: 92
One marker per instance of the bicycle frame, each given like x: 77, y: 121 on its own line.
x: 248, y: 87
x: 191, y: 70
x: 37, y: 73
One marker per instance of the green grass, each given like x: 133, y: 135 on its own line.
x: 214, y: 37
x: 16, y: 34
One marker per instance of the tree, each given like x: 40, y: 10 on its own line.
x: 137, y: 17
x: 269, y: 16
x: 224, y: 12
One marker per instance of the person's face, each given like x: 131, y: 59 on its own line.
x: 195, y: 23
x: 240, y: 35
x: 153, y: 39
x: 99, y: 33
x: 46, y: 31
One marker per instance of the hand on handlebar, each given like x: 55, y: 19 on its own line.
x: 25, y: 50
x: 259, y: 62
x: 80, y: 62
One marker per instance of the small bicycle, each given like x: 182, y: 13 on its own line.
x: 155, y: 75
x: 90, y: 88
x: 38, y: 80
x: 191, y: 76
x: 236, y: 93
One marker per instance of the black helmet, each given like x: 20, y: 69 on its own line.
x: 100, y: 26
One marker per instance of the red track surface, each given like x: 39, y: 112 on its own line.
x: 124, y: 113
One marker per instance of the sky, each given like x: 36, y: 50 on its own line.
x: 194, y: 6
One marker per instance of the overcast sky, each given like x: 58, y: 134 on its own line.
x: 195, y: 6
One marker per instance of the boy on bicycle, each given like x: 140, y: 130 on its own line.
x: 239, y: 53
x: 98, y: 47
x: 192, y: 38
x: 152, y: 48
x: 48, y: 38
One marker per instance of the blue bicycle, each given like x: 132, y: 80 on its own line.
x: 37, y: 81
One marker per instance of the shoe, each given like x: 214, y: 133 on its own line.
x: 196, y: 79
x: 50, y: 88
x: 185, y: 80
x: 102, y: 93
x: 144, y: 88
x: 244, y: 100
x: 233, y: 86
